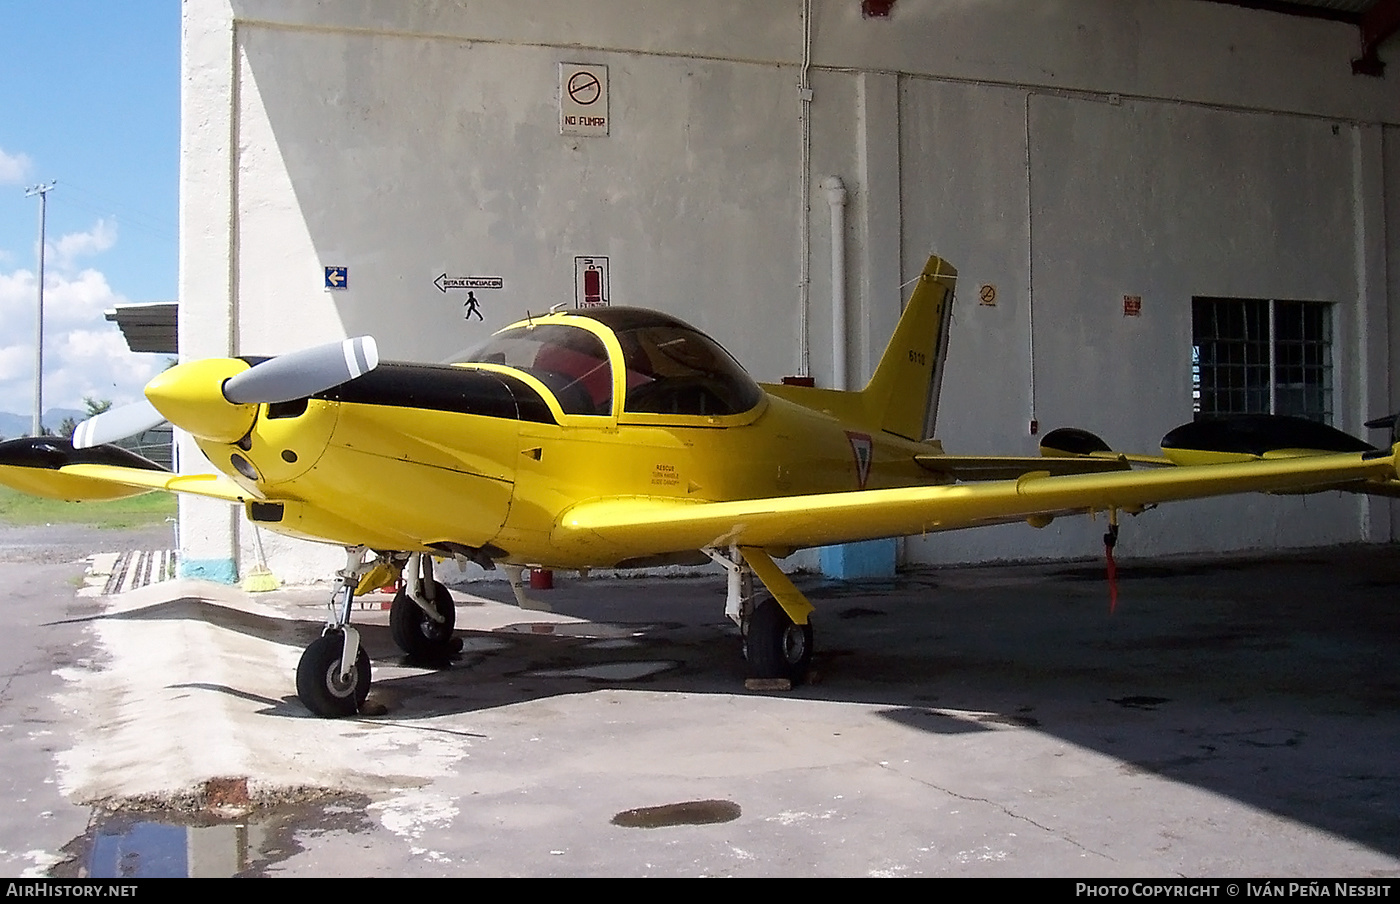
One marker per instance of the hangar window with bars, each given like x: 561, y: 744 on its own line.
x: 1261, y: 356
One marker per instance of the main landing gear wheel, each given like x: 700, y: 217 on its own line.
x: 775, y: 647
x: 418, y: 635
x: 319, y: 684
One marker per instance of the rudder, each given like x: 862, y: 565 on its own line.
x: 902, y: 396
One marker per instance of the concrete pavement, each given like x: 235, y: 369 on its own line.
x: 1233, y: 717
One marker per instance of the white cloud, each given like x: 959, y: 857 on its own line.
x: 95, y: 364
x: 71, y: 300
x: 84, y: 355
x: 13, y: 168
x: 77, y: 300
x: 66, y: 251
x: 16, y: 361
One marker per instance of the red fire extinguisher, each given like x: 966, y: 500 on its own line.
x: 592, y: 286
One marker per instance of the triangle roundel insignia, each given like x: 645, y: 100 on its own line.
x: 863, y: 450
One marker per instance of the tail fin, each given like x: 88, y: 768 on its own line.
x: 902, y: 396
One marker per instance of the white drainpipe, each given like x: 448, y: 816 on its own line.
x: 836, y: 197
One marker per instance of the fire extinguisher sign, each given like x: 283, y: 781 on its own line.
x: 591, y: 282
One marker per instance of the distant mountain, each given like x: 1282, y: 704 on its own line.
x: 15, y: 425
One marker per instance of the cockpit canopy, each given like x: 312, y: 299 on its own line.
x: 571, y: 362
x: 669, y: 367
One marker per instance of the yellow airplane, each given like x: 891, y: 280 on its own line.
x: 620, y: 437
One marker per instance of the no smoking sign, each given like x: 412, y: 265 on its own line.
x: 583, y: 99
x: 584, y: 88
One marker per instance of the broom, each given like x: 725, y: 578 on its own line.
x: 260, y: 579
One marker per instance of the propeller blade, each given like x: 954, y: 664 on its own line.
x: 117, y: 423
x: 1390, y: 422
x: 303, y: 373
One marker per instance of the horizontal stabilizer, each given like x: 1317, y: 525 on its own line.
x: 1066, y: 441
x: 1009, y: 467
x: 1063, y: 451
x: 1072, y: 442
x: 1247, y: 437
x: 1270, y: 437
x: 1389, y: 423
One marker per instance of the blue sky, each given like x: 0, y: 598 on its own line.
x: 89, y: 99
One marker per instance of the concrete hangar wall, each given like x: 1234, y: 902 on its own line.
x: 1067, y: 155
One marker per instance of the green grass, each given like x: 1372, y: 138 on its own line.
x: 136, y: 511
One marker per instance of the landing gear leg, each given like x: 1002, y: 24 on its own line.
x: 738, y: 601
x: 333, y: 675
x: 422, y: 616
x: 777, y: 632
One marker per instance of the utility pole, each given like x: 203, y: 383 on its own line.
x: 43, y: 192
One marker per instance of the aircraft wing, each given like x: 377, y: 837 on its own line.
x: 817, y: 520
x: 51, y: 467
x: 213, y: 486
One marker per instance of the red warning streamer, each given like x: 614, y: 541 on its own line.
x: 1110, y: 540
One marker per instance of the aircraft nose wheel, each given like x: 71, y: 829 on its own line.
x: 416, y: 633
x: 775, y: 647
x: 320, y: 685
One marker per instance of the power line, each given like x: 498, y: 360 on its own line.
x: 130, y: 214
x: 123, y: 221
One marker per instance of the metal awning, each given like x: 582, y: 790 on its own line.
x: 148, y: 327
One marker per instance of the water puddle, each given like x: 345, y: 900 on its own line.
x: 482, y: 644
x: 687, y: 813
x: 622, y: 643
x: 1140, y: 702
x: 610, y: 671
x: 1018, y: 720
x: 127, y: 848
x: 581, y: 629
x: 214, y: 842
